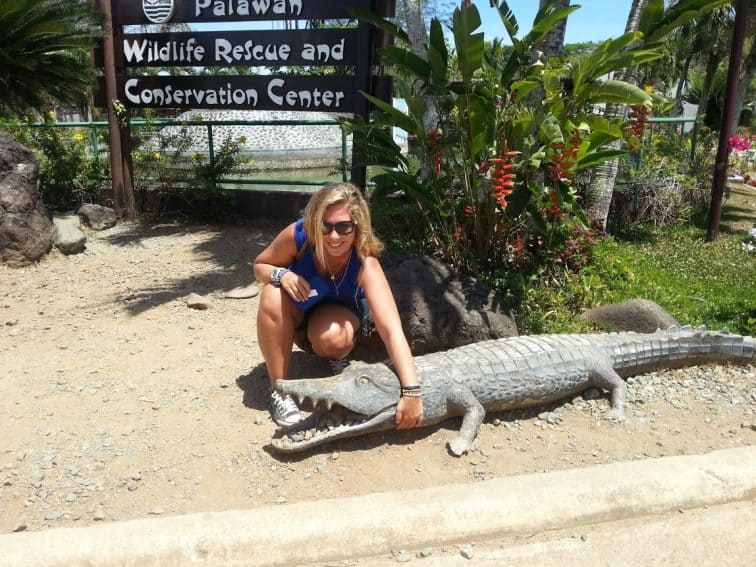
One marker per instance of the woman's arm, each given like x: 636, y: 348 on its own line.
x: 409, y: 411
x: 279, y: 254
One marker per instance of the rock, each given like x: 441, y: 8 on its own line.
x: 467, y: 551
x: 98, y: 514
x: 196, y: 301
x: 26, y: 233
x: 97, y: 217
x: 401, y: 555
x: 639, y: 315
x: 69, y: 238
x: 439, y: 308
x: 20, y: 527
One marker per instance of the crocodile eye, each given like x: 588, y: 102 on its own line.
x: 364, y: 380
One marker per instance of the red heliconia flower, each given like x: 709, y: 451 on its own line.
x: 459, y: 234
x: 564, y: 159
x: 434, y: 140
x: 555, y: 204
x: 502, y: 176
x: 639, y: 116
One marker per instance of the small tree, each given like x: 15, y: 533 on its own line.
x: 44, y: 53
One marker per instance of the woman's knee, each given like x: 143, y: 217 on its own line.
x: 276, y: 308
x: 334, y: 342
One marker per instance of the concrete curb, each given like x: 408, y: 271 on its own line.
x: 342, y: 528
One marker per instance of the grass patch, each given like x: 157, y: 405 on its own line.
x: 699, y: 283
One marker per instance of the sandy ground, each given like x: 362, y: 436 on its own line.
x: 119, y: 401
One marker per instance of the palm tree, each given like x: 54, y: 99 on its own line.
x: 553, y: 43
x: 599, y: 194
x: 650, y: 17
x: 44, y: 53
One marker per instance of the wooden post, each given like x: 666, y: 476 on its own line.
x: 728, y: 120
x: 123, y: 196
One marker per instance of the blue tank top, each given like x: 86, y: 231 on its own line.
x: 348, y: 288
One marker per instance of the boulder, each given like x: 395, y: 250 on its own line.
x: 69, y: 238
x: 26, y: 232
x: 97, y: 217
x: 639, y: 315
x: 439, y: 308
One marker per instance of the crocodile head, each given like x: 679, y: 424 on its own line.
x: 360, y: 400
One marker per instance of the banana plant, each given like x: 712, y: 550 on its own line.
x: 495, y: 152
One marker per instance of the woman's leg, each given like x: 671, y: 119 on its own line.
x: 331, y: 329
x: 277, y: 317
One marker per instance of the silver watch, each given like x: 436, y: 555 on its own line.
x: 276, y: 275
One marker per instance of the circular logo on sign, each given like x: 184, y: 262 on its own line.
x: 158, y: 11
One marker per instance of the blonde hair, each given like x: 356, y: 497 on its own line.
x: 366, y: 243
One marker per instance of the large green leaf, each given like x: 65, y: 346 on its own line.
x: 651, y: 15
x: 377, y: 21
x: 522, y: 88
x: 627, y: 60
x: 470, y: 46
x: 677, y: 15
x: 549, y: 130
x: 438, y: 55
x: 481, y: 124
x: 599, y: 139
x: 544, y: 20
x: 509, y: 20
x: 614, y: 92
x: 595, y: 158
x: 401, y: 120
x: 407, y: 183
x: 600, y: 125
x: 407, y: 61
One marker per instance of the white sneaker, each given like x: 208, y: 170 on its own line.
x: 284, y: 409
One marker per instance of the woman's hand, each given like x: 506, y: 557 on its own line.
x: 409, y: 412
x: 296, y: 286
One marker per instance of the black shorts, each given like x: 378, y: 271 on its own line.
x: 359, y: 307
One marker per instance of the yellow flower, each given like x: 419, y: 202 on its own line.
x: 78, y: 137
x: 156, y: 155
x: 649, y: 89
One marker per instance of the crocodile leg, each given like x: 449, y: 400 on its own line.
x: 461, y: 399
x: 603, y: 375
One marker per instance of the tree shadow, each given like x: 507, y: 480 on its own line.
x: 231, y: 247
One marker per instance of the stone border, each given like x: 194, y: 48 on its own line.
x: 342, y: 528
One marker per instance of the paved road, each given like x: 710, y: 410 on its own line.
x: 696, y: 509
x: 718, y: 535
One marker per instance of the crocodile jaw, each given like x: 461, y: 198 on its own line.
x: 316, y: 429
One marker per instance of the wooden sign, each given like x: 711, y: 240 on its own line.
x: 254, y: 48
x: 252, y: 92
x: 142, y: 12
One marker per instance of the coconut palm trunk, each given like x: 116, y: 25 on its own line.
x: 599, y: 195
x: 553, y: 43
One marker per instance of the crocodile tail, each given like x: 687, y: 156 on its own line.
x: 677, y: 347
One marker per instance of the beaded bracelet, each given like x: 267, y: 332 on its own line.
x: 412, y: 391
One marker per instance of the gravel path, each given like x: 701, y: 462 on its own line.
x: 120, y: 401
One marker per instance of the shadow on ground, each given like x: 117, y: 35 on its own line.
x: 231, y: 247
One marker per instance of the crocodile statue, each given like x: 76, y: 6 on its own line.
x: 497, y: 375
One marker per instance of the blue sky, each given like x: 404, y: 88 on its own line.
x: 595, y: 20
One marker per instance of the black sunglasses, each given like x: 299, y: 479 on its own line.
x: 342, y: 227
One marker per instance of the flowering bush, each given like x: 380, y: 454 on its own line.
x: 739, y: 143
x: 70, y: 173
x: 495, y: 144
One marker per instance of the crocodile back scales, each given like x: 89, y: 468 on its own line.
x: 530, y: 370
